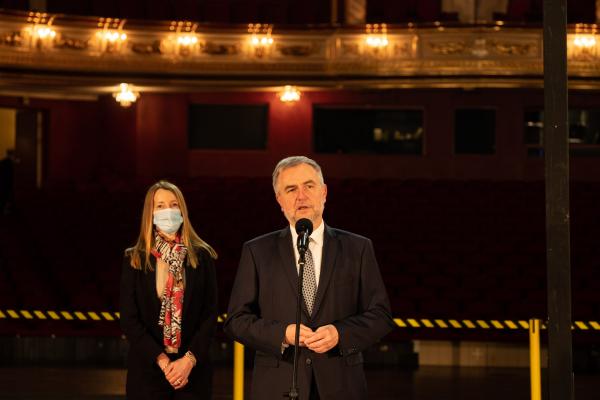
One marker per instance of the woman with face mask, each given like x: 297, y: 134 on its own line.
x: 168, y: 302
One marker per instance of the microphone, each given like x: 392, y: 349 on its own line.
x: 304, y: 228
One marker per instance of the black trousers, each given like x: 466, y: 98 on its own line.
x: 314, y: 391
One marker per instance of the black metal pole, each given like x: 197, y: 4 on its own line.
x: 294, y: 392
x: 556, y: 150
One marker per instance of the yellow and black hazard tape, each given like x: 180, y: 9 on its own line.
x: 408, y: 323
x: 54, y: 315
x: 59, y: 315
x: 493, y: 324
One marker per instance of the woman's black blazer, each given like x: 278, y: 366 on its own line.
x: 139, y: 313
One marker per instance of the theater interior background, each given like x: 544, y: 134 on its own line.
x: 426, y: 116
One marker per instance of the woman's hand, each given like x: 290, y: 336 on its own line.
x: 163, y: 361
x: 177, y: 372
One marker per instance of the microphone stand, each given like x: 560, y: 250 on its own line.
x: 293, y: 393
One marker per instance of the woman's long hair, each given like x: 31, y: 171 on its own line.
x: 145, y: 241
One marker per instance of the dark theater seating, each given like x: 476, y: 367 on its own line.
x: 447, y: 249
x: 517, y: 11
x: 391, y: 11
x: 295, y: 12
x: 578, y: 11
x: 282, y: 12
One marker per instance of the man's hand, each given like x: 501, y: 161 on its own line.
x: 290, y: 333
x: 323, y: 339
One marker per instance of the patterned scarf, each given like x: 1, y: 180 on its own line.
x: 173, y: 254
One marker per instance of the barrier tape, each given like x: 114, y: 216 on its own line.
x: 494, y: 324
x: 406, y: 323
x: 63, y: 315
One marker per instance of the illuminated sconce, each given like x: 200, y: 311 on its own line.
x: 583, y: 45
x: 183, y: 41
x: 260, y: 40
x: 585, y: 41
x: 110, y: 37
x: 39, y: 32
x: 290, y: 94
x: 376, y: 36
x: 376, y: 42
x: 126, y: 95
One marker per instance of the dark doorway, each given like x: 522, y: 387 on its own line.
x: 21, y: 134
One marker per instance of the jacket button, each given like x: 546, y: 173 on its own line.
x: 308, y: 361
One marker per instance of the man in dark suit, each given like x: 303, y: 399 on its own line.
x: 346, y: 308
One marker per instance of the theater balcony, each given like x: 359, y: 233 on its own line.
x: 87, y: 56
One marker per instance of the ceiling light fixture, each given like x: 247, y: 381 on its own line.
x: 126, y: 95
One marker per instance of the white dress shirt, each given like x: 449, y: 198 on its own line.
x: 315, y: 245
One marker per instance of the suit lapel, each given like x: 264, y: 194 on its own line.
x: 190, y: 284
x: 330, y: 250
x: 288, y: 262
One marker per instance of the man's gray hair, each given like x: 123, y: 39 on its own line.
x: 292, y: 162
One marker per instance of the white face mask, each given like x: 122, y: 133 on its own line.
x: 168, y: 220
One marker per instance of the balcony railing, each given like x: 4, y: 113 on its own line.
x: 53, y: 49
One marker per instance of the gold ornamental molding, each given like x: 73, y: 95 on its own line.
x: 91, y: 50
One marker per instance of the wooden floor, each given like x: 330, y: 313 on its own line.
x: 427, y: 383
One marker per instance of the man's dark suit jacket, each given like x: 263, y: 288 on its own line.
x: 351, y: 296
x: 140, y: 309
